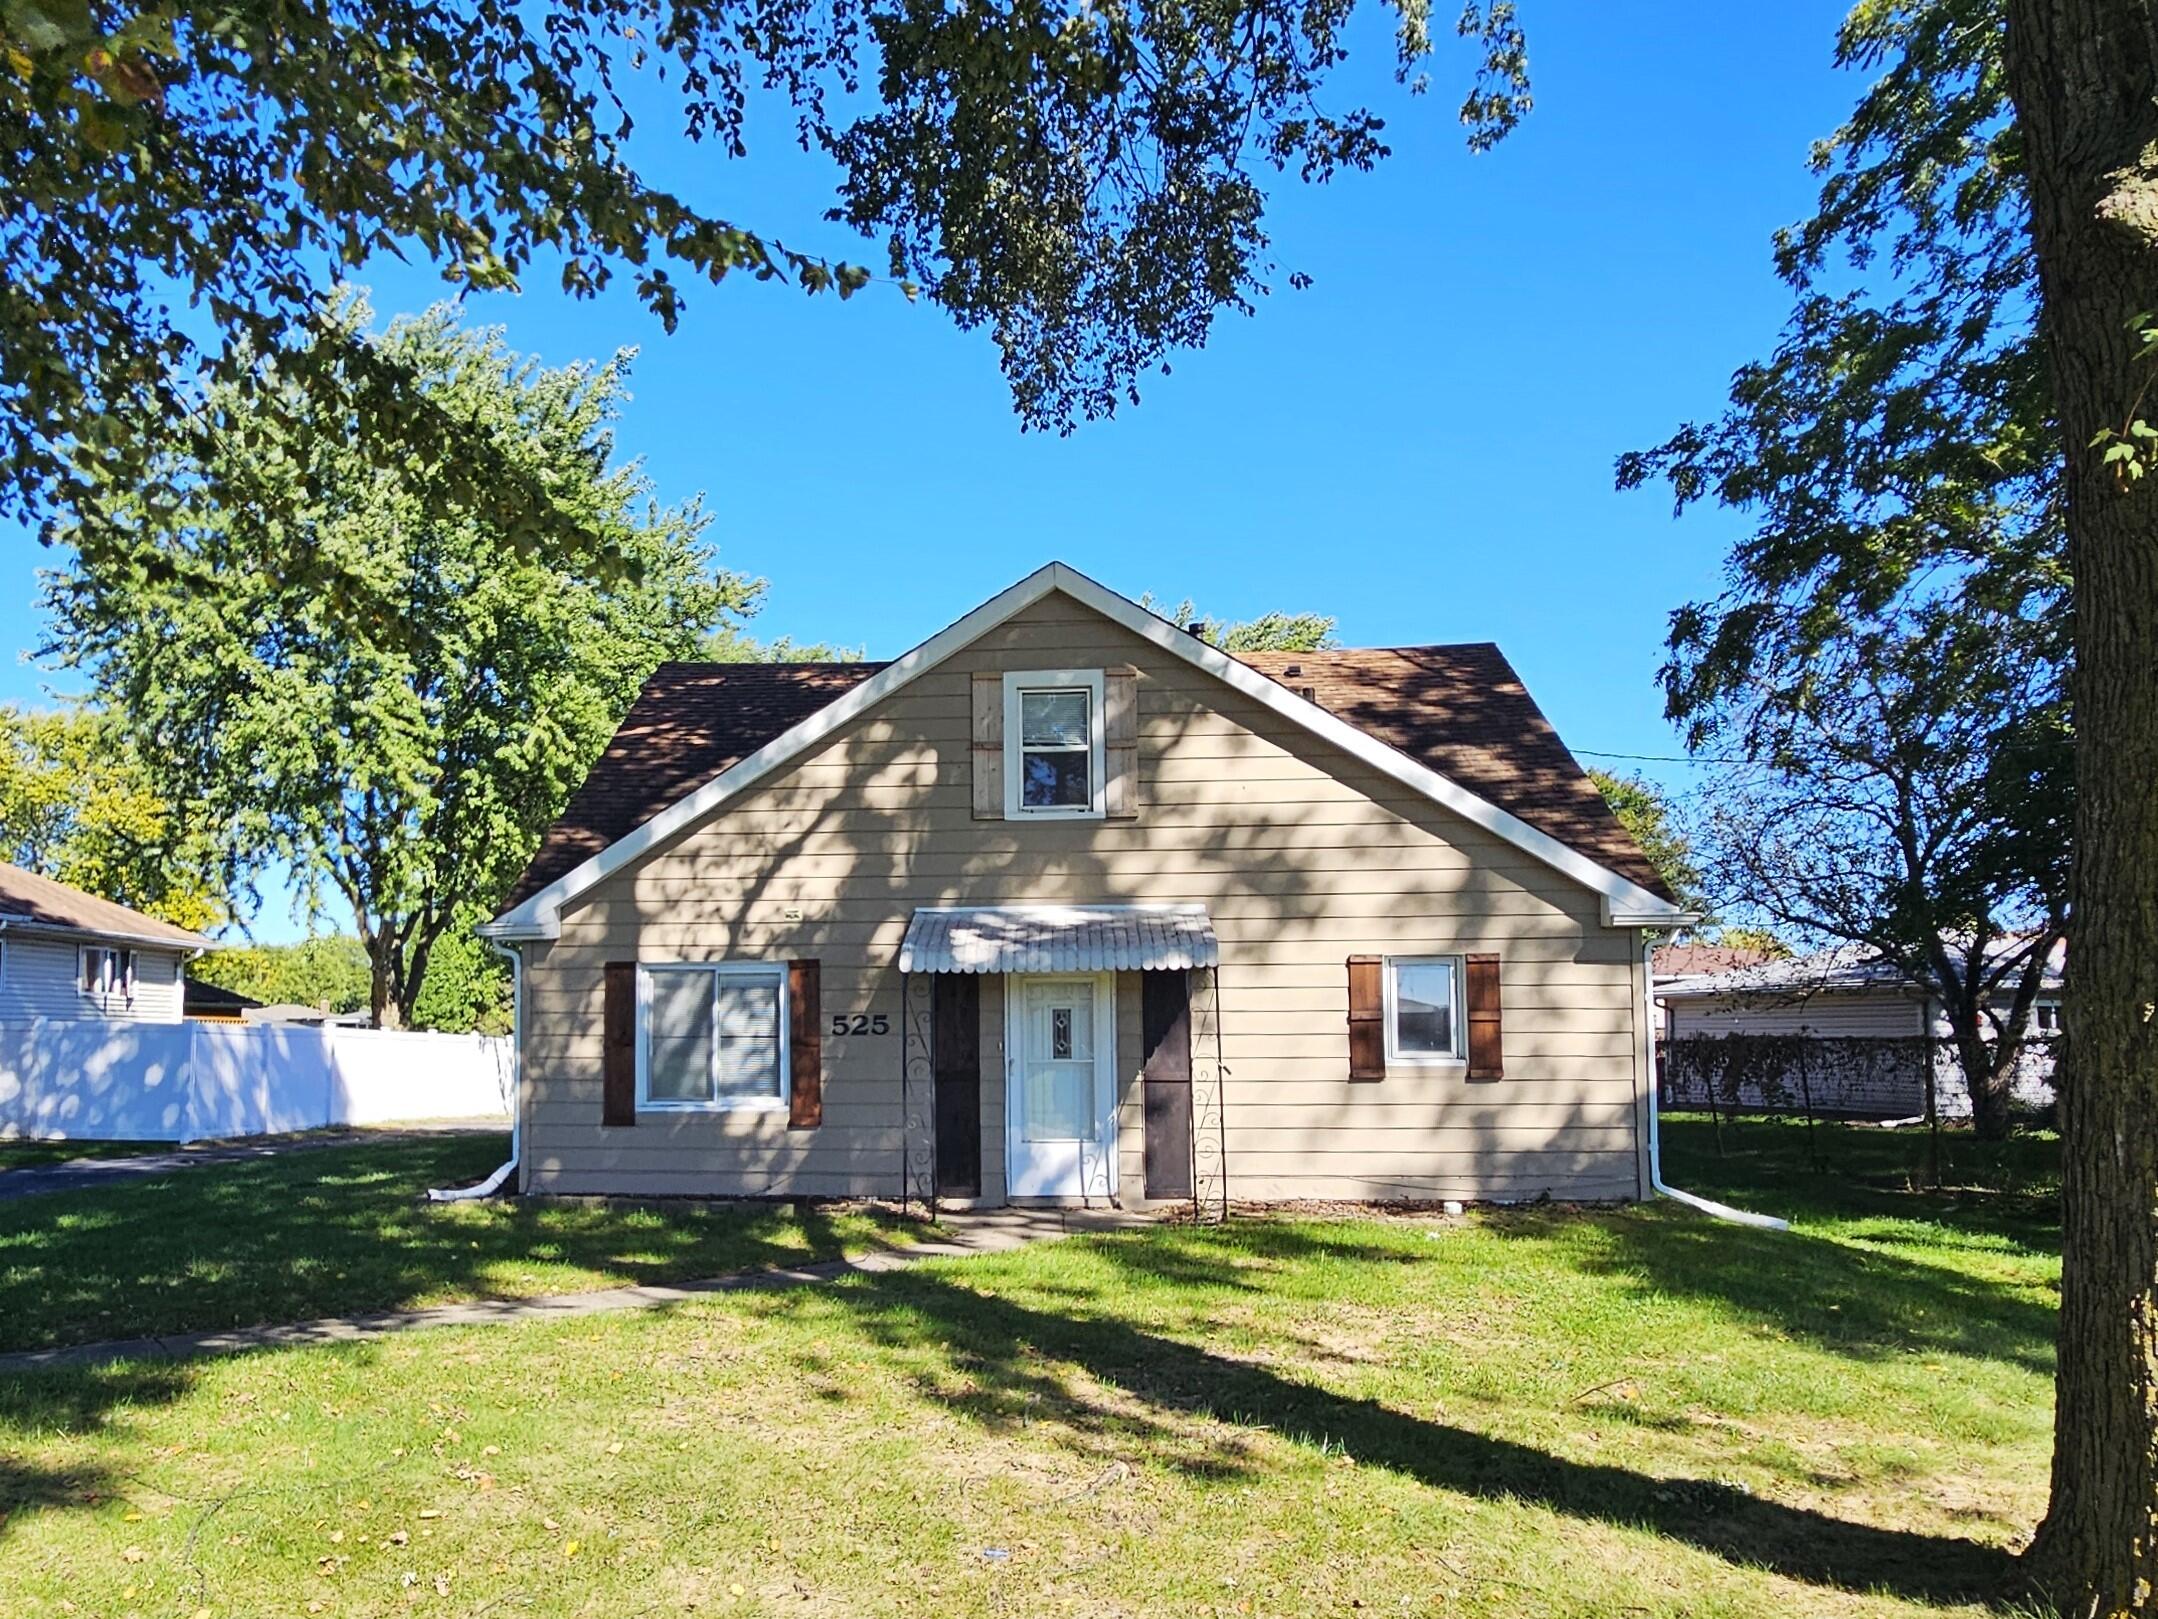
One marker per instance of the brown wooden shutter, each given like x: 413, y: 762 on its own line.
x: 618, y: 1045
x: 955, y: 1061
x: 1120, y: 737
x: 987, y: 754
x: 1367, y: 1017
x: 805, y: 1046
x: 1486, y: 1042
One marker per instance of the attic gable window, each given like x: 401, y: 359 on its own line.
x: 1053, y: 732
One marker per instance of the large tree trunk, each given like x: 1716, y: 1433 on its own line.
x: 382, y: 1003
x: 2083, y: 74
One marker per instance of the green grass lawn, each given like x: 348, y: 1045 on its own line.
x: 1522, y: 1413
x: 338, y: 1230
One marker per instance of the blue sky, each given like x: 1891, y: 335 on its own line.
x: 1420, y: 443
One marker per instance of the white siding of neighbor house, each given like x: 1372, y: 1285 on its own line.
x: 1871, y: 1016
x: 1892, y: 1087
x: 1303, y: 857
x: 42, y: 978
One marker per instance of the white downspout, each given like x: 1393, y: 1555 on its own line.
x: 1722, y: 1211
x: 493, y: 1183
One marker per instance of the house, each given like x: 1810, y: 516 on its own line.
x: 65, y: 954
x: 1669, y: 962
x: 1066, y: 904
x: 1885, y: 1028
x: 204, y: 1002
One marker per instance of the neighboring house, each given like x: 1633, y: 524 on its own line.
x: 1674, y: 961
x: 299, y: 1015
x: 1067, y: 904
x: 214, y: 1003
x: 69, y: 955
x: 1847, y: 994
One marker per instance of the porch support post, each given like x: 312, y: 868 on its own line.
x: 918, y: 1090
x: 1209, y: 1146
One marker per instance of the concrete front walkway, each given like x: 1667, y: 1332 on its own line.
x: 80, y: 1174
x: 986, y: 1232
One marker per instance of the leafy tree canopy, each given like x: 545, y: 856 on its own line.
x: 729, y: 643
x: 1917, y: 805
x: 408, y: 764
x: 1898, y: 447
x: 1764, y: 940
x: 1084, y: 183
x: 328, y: 970
x: 1269, y: 632
x: 1645, y: 810
x: 78, y: 804
x: 1890, y: 655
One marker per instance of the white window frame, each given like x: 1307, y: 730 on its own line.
x: 122, y: 983
x: 1395, y: 1056
x: 1015, y: 687
x: 774, y: 972
x: 2039, y: 1010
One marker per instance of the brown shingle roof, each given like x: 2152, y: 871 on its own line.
x: 1692, y: 960
x: 25, y: 897
x: 691, y: 721
x: 1459, y: 709
x: 1464, y: 712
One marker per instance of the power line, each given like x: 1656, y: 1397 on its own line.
x: 1662, y: 758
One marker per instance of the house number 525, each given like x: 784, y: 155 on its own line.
x: 861, y: 1023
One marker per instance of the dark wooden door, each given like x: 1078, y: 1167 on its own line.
x: 956, y: 1054
x: 1165, y: 1024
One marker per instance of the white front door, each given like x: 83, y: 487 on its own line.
x: 1060, y: 1098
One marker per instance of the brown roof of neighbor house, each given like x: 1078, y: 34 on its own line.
x: 26, y: 899
x: 1461, y: 710
x: 1689, y: 960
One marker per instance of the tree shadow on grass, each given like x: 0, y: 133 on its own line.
x: 347, y: 1230
x: 1854, y: 1301
x: 71, y: 1403
x: 999, y: 1362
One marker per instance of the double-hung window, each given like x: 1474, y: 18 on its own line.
x: 1053, y: 755
x: 1423, y: 1010
x: 711, y: 1037
x: 107, y: 971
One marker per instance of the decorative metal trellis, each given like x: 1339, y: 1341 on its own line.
x: 918, y: 1091
x: 1209, y: 1120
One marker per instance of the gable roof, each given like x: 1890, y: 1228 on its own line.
x: 31, y: 903
x: 700, y: 733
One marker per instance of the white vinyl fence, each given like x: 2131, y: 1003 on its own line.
x: 83, y: 1080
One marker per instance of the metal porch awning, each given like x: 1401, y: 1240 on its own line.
x: 1059, y: 938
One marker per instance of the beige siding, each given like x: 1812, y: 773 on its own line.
x: 1303, y: 857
